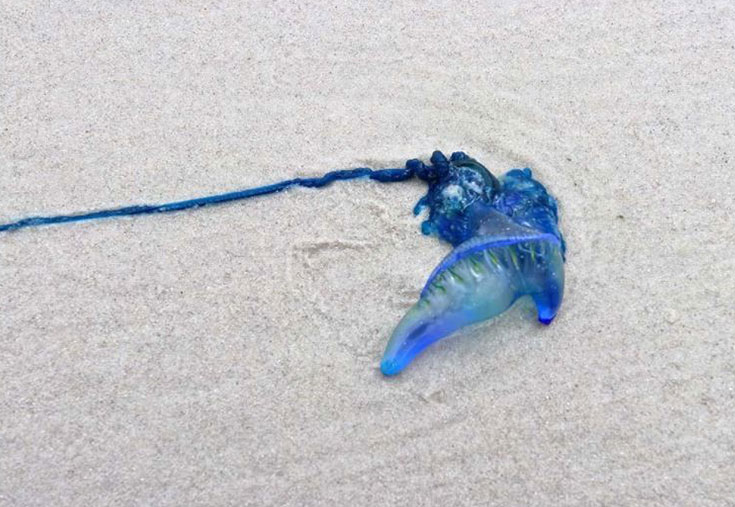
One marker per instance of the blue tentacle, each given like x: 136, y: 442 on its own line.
x: 380, y: 175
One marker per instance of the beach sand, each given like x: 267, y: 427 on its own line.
x: 229, y: 355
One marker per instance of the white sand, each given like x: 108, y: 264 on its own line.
x: 229, y: 355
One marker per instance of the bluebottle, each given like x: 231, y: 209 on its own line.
x: 507, y: 244
x: 504, y: 233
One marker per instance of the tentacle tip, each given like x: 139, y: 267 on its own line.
x: 458, y: 156
x: 438, y: 158
x: 546, y: 320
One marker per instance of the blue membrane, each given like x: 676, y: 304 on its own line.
x: 507, y: 245
x: 505, y: 234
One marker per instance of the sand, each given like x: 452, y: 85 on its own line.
x: 229, y: 356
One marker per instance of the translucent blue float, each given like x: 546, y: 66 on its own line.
x: 507, y: 245
x: 504, y: 231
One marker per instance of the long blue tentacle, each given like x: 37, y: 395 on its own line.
x: 381, y: 175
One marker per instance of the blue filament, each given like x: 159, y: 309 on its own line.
x: 381, y: 175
